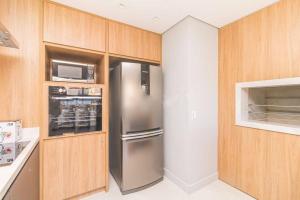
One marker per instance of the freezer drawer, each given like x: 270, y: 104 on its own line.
x: 142, y: 162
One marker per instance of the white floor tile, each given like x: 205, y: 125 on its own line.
x: 166, y: 190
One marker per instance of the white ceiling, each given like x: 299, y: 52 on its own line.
x: 160, y: 15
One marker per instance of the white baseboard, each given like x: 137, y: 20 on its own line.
x: 190, y: 188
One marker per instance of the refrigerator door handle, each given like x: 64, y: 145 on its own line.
x: 142, y: 135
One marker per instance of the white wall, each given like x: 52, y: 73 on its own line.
x: 190, y: 56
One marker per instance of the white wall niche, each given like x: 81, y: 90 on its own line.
x: 272, y: 105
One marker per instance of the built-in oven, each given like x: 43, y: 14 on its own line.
x: 74, y: 110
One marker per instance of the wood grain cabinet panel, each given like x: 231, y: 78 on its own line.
x: 261, y: 46
x: 20, y: 68
x: 71, y: 27
x: 73, y: 166
x: 26, y: 184
x: 133, y: 42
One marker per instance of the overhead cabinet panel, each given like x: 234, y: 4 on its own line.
x: 134, y: 42
x: 71, y: 27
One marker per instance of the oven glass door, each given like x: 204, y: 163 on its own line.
x: 74, y: 114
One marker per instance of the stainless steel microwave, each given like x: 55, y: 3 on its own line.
x: 72, y: 71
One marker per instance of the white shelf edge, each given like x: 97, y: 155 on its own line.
x: 269, y: 127
x: 242, y: 87
x: 270, y: 83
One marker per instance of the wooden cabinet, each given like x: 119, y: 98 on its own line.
x: 26, y: 184
x: 73, y: 166
x: 71, y: 27
x: 20, y: 68
x: 261, y: 46
x: 133, y: 42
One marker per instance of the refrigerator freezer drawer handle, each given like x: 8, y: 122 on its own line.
x: 140, y: 137
x: 143, y: 133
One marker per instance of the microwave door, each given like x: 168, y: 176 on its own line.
x: 141, y: 97
x: 72, y: 71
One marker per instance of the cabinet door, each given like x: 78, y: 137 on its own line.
x: 26, y: 184
x: 73, y: 166
x: 67, y: 26
x: 133, y: 42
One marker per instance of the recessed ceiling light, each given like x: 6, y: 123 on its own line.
x: 156, y: 19
x: 122, y: 5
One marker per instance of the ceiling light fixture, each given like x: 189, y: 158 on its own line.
x: 156, y: 19
x: 122, y: 5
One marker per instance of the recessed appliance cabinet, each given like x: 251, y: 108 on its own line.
x: 66, y: 64
x: 74, y: 140
x: 74, y: 132
x: 272, y: 105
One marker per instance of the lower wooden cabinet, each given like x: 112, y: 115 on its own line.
x: 26, y: 184
x: 73, y: 166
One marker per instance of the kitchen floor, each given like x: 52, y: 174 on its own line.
x: 166, y: 190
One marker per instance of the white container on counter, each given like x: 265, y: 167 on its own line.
x: 9, y: 152
x: 10, y: 131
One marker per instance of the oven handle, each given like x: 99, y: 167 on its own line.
x: 75, y: 97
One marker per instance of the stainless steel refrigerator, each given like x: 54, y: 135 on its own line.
x: 136, y: 128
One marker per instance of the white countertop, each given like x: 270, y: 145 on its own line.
x: 10, y: 172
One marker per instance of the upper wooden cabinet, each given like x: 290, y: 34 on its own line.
x: 71, y: 27
x: 133, y: 42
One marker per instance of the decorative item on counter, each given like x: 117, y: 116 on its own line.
x: 10, y: 145
x: 10, y: 131
x: 9, y: 152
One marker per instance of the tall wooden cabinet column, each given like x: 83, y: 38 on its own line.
x: 76, y: 165
x: 73, y: 165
